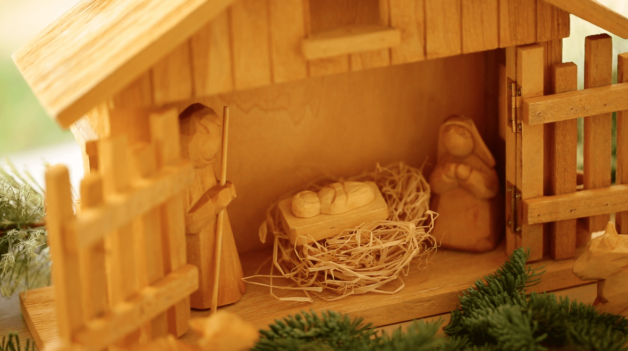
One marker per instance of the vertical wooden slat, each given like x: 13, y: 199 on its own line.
x: 210, y: 49
x: 172, y: 76
x: 480, y: 25
x: 530, y: 141
x: 116, y: 179
x: 91, y: 150
x: 598, y: 71
x: 564, y: 163
x: 287, y: 31
x: 409, y: 17
x: 512, y: 154
x: 120, y: 260
x: 65, y: 272
x: 165, y: 136
x: 443, y: 32
x: 553, y: 55
x: 93, y: 259
x: 137, y: 94
x: 552, y: 22
x: 377, y: 58
x: 250, y: 42
x: 621, y: 172
x: 149, y: 243
x: 517, y: 22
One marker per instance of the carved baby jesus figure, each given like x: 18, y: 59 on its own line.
x: 201, y: 135
x: 463, y: 182
x: 333, y: 198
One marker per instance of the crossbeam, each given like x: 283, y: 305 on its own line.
x: 575, y: 104
x: 129, y: 315
x: 580, y: 204
x: 596, y: 13
x: 120, y: 209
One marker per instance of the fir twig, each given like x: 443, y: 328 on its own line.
x: 24, y: 261
x: 497, y: 315
x: 12, y: 343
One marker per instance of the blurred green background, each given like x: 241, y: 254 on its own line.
x: 24, y: 124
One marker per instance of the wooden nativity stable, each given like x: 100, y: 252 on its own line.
x: 315, y: 86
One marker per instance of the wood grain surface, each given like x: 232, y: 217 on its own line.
x: 431, y: 291
x: 92, y: 62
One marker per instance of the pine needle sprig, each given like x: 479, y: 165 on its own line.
x: 12, y: 343
x: 497, y: 315
x: 24, y: 262
x: 308, y: 331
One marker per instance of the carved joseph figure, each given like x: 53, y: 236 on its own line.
x: 201, y: 137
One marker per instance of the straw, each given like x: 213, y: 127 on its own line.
x: 367, y: 258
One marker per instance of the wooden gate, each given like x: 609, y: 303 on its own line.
x: 528, y: 206
x: 120, y: 272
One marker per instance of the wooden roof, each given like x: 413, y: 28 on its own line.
x: 98, y: 47
x: 102, y: 47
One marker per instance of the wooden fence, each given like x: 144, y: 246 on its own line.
x: 560, y: 110
x: 120, y: 272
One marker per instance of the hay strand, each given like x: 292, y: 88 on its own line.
x: 367, y: 258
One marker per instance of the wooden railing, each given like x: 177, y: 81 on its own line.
x: 595, y: 104
x: 120, y: 272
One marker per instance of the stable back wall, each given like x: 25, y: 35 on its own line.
x: 284, y: 135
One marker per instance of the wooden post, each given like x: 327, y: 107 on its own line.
x: 149, y: 249
x: 221, y: 215
x: 621, y: 173
x: 120, y: 244
x: 598, y: 71
x: 530, y: 145
x: 564, y: 162
x: 66, y: 270
x: 512, y: 239
x: 165, y: 136
x: 93, y: 258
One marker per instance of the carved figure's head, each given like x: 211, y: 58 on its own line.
x: 459, y: 137
x: 604, y: 256
x: 201, y: 135
x: 458, y: 140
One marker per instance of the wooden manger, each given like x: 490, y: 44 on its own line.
x: 298, y: 76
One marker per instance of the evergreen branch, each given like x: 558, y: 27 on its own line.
x: 12, y: 343
x: 496, y: 315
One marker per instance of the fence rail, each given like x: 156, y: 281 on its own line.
x: 120, y: 269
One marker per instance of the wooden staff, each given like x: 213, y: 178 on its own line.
x: 221, y: 214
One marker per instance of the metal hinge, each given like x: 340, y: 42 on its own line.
x: 515, y: 203
x: 514, y: 93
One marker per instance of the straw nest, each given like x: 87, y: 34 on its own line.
x: 368, y: 258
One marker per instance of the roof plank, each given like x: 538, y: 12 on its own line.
x: 596, y: 13
x: 99, y: 47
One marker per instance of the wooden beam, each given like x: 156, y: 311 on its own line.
x: 119, y: 209
x: 598, y: 72
x: 575, y: 104
x: 127, y: 316
x: 621, y: 172
x: 581, y: 204
x: 530, y: 144
x: 350, y: 40
x: 596, y: 13
x: 563, y: 162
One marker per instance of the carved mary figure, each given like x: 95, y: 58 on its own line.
x: 465, y: 185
